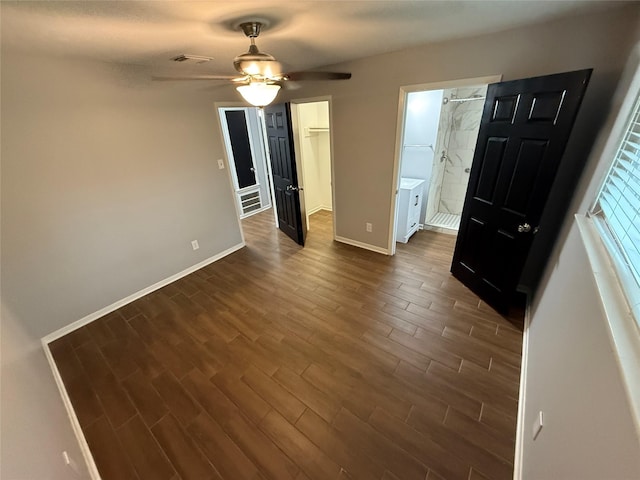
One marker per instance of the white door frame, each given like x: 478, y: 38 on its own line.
x: 232, y: 183
x: 297, y: 134
x: 402, y: 104
x: 258, y: 170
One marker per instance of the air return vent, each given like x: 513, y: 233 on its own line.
x: 250, y: 202
x: 185, y: 57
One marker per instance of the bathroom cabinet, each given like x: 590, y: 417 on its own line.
x: 409, y: 207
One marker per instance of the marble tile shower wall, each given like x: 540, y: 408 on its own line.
x: 455, y: 143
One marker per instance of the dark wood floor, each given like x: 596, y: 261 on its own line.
x: 328, y: 362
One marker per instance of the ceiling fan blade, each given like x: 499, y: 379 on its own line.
x: 301, y: 76
x: 194, y: 77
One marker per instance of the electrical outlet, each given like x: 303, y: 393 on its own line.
x: 69, y: 462
x: 369, y: 227
x: 220, y: 164
x: 195, y: 244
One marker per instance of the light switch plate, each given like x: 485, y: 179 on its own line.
x: 537, y: 425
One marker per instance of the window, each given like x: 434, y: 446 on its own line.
x: 611, y: 236
x: 618, y: 207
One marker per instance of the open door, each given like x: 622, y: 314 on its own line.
x: 283, y: 167
x: 525, y: 127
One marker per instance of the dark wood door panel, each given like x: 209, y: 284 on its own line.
x: 546, y: 106
x: 240, y: 147
x: 528, y: 163
x: 470, y: 257
x: 283, y: 168
x: 491, y: 165
x: 502, y: 246
x: 523, y: 133
x: 504, y: 108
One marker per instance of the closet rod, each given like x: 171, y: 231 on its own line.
x: 468, y: 99
x: 419, y: 146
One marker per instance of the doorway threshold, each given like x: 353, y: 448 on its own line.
x: 448, y: 223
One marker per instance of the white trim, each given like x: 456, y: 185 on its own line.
x: 627, y: 93
x: 253, y: 212
x: 218, y: 106
x: 75, y: 424
x: 267, y: 159
x: 366, y: 246
x: 141, y: 293
x: 317, y: 209
x: 624, y: 332
x: 299, y: 164
x: 625, y: 276
x: 522, y: 396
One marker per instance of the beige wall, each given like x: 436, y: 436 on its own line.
x: 34, y: 425
x: 573, y: 377
x: 105, y: 182
x: 365, y: 108
x: 106, y: 179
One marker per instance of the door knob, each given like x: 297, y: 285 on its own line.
x: 253, y: 169
x: 524, y: 228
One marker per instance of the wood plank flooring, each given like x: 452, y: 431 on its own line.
x: 282, y: 362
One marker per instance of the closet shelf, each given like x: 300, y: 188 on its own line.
x: 309, y: 130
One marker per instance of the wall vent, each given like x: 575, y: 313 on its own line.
x: 185, y: 57
x: 250, y: 202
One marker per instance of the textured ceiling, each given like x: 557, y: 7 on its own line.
x: 302, y: 34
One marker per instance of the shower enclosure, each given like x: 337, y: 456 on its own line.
x: 460, y: 116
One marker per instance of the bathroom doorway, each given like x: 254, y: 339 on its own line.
x: 460, y: 115
x: 438, y: 128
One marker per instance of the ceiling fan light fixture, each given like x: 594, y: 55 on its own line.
x: 259, y: 94
x: 256, y: 63
x: 254, y: 66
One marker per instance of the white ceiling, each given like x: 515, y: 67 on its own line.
x: 302, y: 34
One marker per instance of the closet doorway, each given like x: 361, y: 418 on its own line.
x: 311, y: 124
x: 243, y: 134
x: 437, y: 130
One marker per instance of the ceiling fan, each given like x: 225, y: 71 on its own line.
x: 261, y: 75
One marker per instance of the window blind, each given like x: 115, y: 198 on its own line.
x: 619, y: 200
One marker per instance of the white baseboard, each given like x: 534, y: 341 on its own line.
x: 366, y: 246
x: 253, y: 212
x: 75, y: 424
x: 522, y: 395
x: 141, y: 293
x: 317, y: 209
